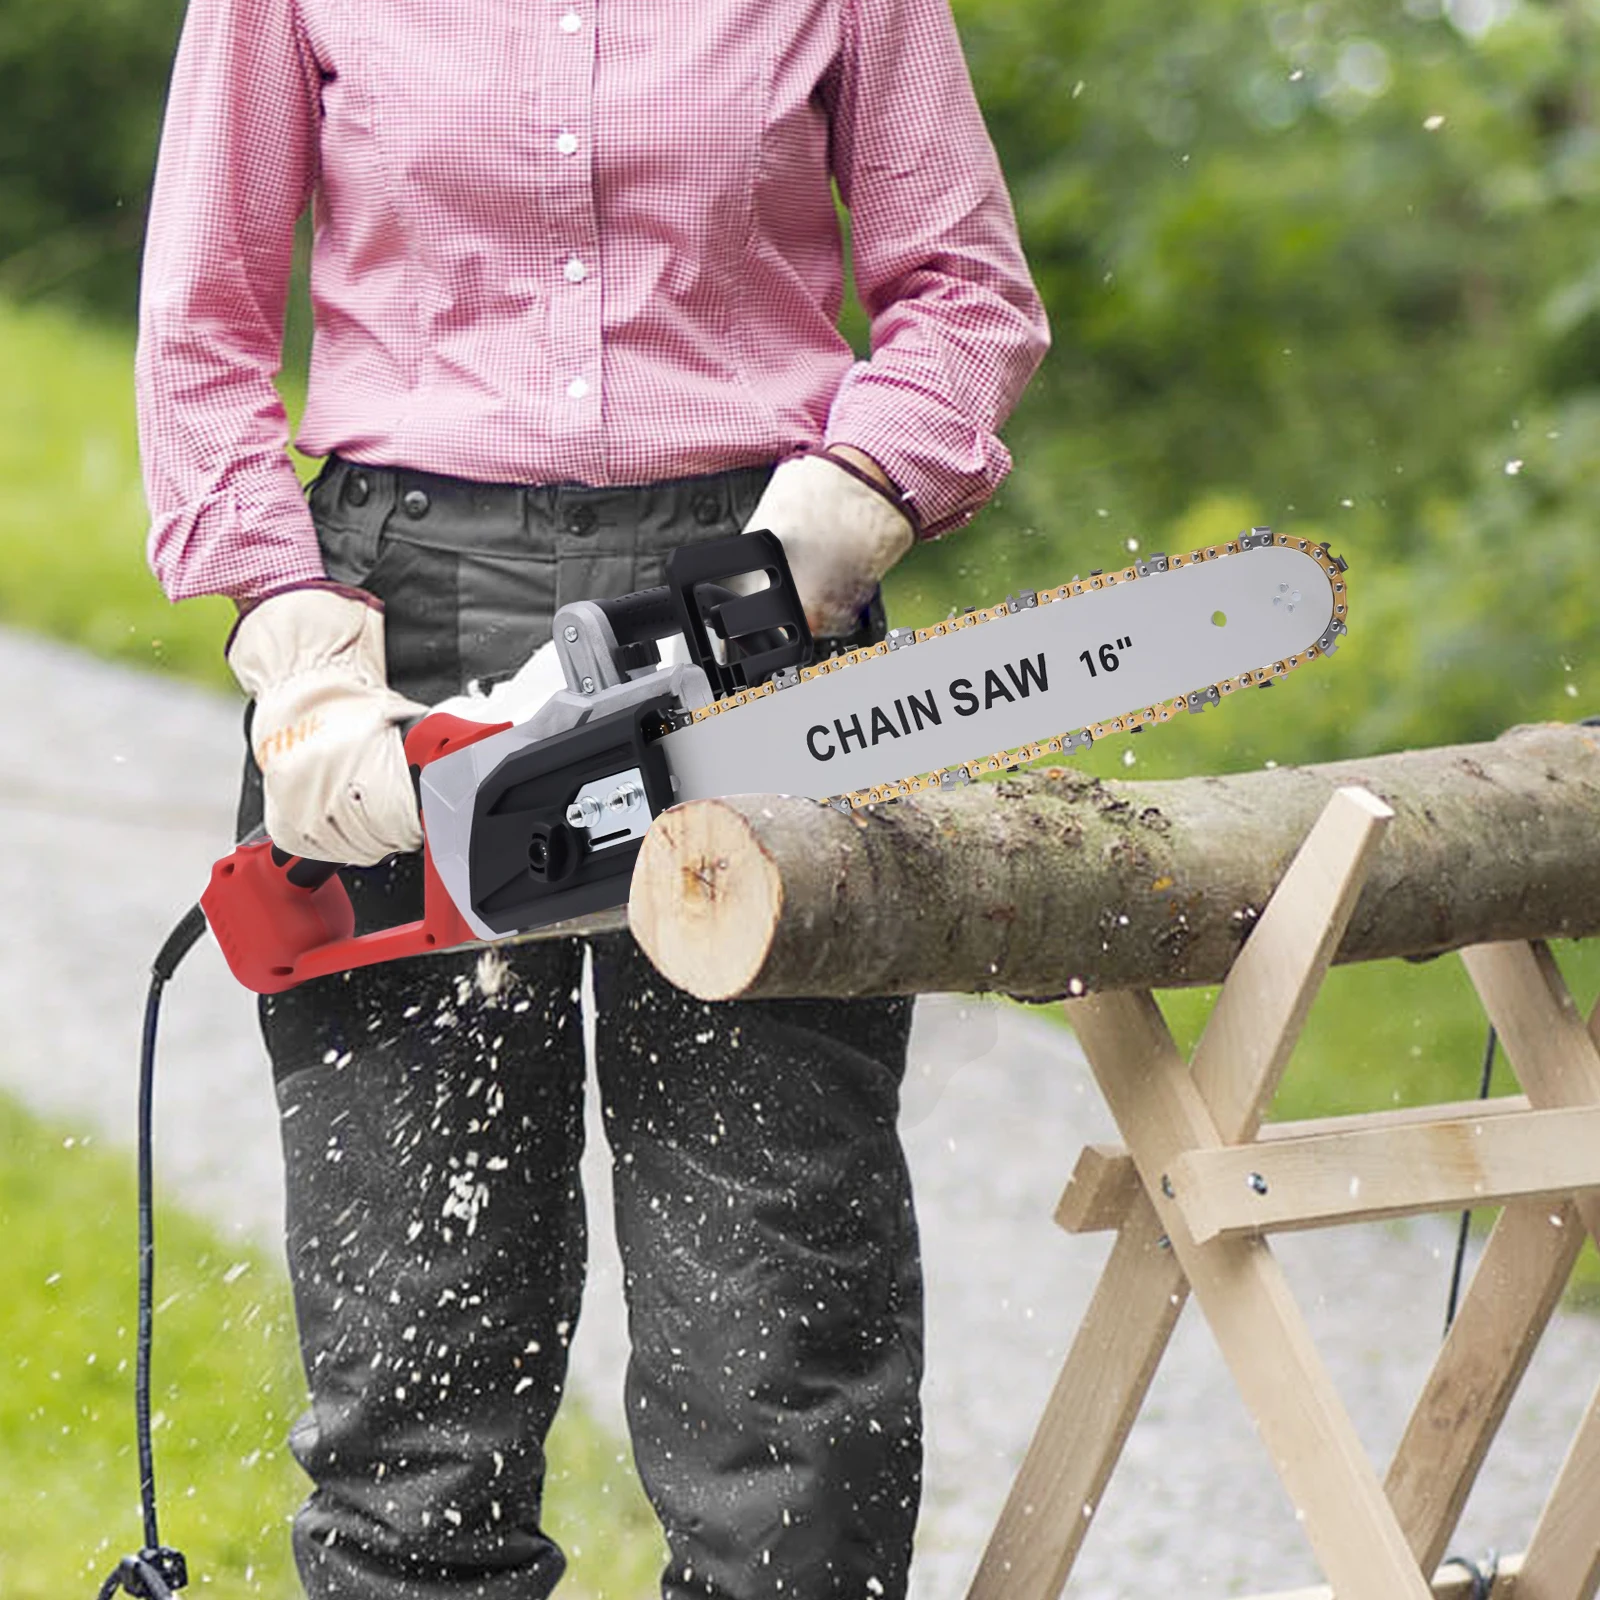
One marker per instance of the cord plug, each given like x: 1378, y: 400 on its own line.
x: 156, y: 1573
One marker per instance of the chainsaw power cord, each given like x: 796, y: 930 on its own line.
x: 1466, y: 1216
x: 156, y: 1572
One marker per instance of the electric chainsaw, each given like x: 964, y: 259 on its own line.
x: 537, y: 825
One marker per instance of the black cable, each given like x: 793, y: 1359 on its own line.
x: 156, y: 1572
x: 138, y: 1576
x: 1484, y: 1574
x: 1466, y: 1216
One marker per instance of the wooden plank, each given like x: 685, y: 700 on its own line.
x: 1102, y: 1191
x: 1517, y: 1285
x: 1449, y: 1583
x: 1563, y: 1557
x: 1444, y: 1164
x: 1104, y: 1182
x: 1257, y: 1324
x: 1556, y: 1059
x: 1554, y: 1055
x: 1076, y: 1445
x: 1550, y: 1049
x: 1502, y: 1105
x: 1256, y: 1022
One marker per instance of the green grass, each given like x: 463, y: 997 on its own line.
x: 226, y: 1385
x: 72, y: 516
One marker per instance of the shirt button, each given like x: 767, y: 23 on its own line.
x: 577, y: 389
x: 575, y: 271
x: 567, y: 144
x: 571, y: 22
x: 358, y: 489
x: 582, y: 520
x: 416, y: 503
x: 707, y: 509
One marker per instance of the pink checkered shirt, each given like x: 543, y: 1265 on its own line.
x: 563, y: 241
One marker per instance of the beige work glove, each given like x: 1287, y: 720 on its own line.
x: 326, y: 727
x: 840, y: 533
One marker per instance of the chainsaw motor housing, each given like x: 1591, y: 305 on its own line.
x: 543, y: 822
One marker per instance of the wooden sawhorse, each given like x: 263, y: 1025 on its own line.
x: 1201, y: 1184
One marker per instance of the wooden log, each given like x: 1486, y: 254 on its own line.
x: 1050, y: 883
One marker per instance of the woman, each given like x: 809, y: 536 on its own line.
x: 575, y: 278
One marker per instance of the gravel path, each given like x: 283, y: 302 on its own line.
x: 116, y: 791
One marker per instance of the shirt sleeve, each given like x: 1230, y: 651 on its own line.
x: 957, y: 326
x: 236, y: 168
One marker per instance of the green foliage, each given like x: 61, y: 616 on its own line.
x: 1330, y: 268
x: 1327, y: 266
x: 226, y: 1385
x: 72, y: 515
x: 82, y: 83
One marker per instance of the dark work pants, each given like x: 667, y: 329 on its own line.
x: 432, y: 1126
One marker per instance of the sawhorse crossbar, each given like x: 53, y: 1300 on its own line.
x: 1201, y: 1185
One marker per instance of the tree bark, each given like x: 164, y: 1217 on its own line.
x: 1051, y: 883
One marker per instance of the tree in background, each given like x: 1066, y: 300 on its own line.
x: 1331, y: 266
x: 82, y: 84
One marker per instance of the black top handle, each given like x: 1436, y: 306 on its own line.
x: 643, y: 617
x: 764, y: 632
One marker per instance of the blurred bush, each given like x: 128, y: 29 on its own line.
x: 82, y: 83
x: 1328, y: 266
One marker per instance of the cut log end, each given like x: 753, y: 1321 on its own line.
x: 706, y: 900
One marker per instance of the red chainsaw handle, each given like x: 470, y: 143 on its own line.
x: 265, y: 922
x: 281, y: 919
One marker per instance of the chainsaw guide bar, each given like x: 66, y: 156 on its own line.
x: 1138, y: 652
